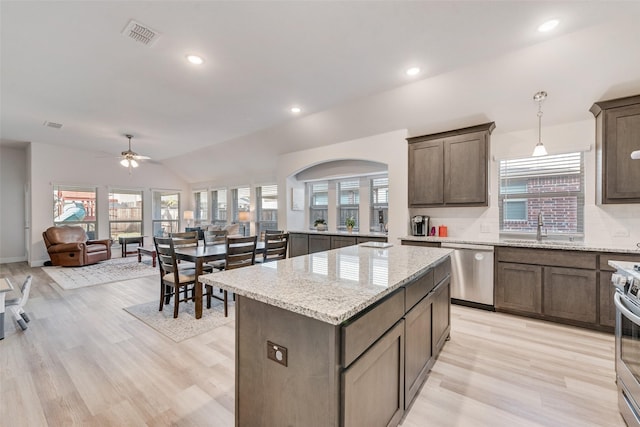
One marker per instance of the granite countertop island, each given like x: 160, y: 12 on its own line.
x: 323, y: 339
x: 330, y: 286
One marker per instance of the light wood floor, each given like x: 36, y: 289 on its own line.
x: 85, y: 361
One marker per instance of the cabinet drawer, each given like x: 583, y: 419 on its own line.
x: 605, y: 258
x: 359, y: 333
x: 551, y: 257
x: 416, y: 243
x: 442, y: 270
x: 418, y: 289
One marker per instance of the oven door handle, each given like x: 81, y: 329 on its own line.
x: 617, y: 299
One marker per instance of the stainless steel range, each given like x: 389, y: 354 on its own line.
x: 627, y: 300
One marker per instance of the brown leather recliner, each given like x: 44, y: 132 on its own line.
x: 68, y: 246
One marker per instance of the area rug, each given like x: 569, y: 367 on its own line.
x: 186, y: 325
x: 113, y: 270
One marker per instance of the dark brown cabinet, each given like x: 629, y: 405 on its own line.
x: 570, y: 293
x: 418, y: 347
x: 564, y: 286
x: 518, y: 287
x: 617, y: 135
x: 450, y: 168
x: 301, y: 243
x: 298, y: 244
x: 319, y: 243
x: 373, y: 386
x: 441, y: 315
x: 342, y: 241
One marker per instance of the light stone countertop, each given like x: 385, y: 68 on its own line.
x: 341, y: 233
x: 626, y: 267
x: 524, y: 243
x: 330, y: 286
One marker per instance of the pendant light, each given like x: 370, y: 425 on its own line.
x: 539, y: 149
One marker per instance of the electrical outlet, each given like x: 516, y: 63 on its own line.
x: 277, y: 353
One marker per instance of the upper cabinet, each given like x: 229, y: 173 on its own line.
x: 617, y: 135
x: 450, y: 168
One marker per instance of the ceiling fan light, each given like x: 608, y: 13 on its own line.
x: 539, y: 150
x: 135, y: 164
x: 125, y: 163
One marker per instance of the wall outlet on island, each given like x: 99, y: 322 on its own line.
x: 485, y: 228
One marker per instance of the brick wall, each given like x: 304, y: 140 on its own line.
x: 560, y: 212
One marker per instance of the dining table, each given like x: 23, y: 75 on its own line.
x: 201, y: 254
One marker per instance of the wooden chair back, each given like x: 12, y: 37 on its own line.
x: 165, y: 252
x: 185, y: 239
x: 275, y: 247
x: 265, y: 233
x: 241, y: 252
x: 215, y: 237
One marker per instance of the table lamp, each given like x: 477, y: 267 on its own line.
x: 188, y: 215
x: 244, y: 216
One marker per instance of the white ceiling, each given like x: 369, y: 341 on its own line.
x: 67, y: 62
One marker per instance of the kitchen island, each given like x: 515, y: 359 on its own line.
x: 338, y: 338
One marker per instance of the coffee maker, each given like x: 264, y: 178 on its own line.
x: 419, y: 225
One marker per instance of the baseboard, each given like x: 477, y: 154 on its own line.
x: 13, y: 259
x: 38, y: 263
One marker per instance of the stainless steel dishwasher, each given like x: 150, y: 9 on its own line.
x: 471, y: 275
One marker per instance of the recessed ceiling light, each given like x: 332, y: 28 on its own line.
x: 548, y: 26
x: 195, y: 59
x: 295, y: 110
x: 413, y: 71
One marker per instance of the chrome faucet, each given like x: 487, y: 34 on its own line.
x: 539, y: 234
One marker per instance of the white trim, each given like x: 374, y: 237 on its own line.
x: 13, y: 259
x: 549, y: 153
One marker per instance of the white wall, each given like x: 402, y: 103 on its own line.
x: 13, y: 179
x: 616, y: 226
x: 389, y: 148
x: 52, y: 165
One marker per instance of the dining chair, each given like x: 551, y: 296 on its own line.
x: 184, y: 239
x: 264, y: 233
x: 216, y: 237
x: 241, y: 252
x: 172, y: 278
x: 275, y: 247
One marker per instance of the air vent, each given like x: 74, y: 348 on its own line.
x: 141, y: 33
x: 52, y: 125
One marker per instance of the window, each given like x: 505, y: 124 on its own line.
x: 348, y: 202
x: 553, y: 185
x: 201, y: 212
x: 166, y: 206
x: 267, y: 208
x: 219, y: 207
x: 319, y: 201
x: 241, y: 208
x: 125, y: 213
x: 75, y: 206
x: 379, y: 203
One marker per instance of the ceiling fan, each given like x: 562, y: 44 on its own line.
x: 130, y: 158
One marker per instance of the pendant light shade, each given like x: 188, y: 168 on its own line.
x: 539, y: 149
x: 635, y: 155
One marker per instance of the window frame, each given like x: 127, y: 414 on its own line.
x: 317, y: 211
x: 347, y: 208
x: 262, y: 224
x: 236, y: 208
x: 216, y: 203
x: 123, y: 191
x: 200, y: 213
x: 89, y: 226
x: 163, y: 226
x: 541, y: 174
x: 375, y: 207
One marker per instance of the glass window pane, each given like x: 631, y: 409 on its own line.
x: 552, y: 185
x: 201, y: 211
x: 267, y: 208
x: 75, y: 206
x: 166, y: 208
x: 125, y: 213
